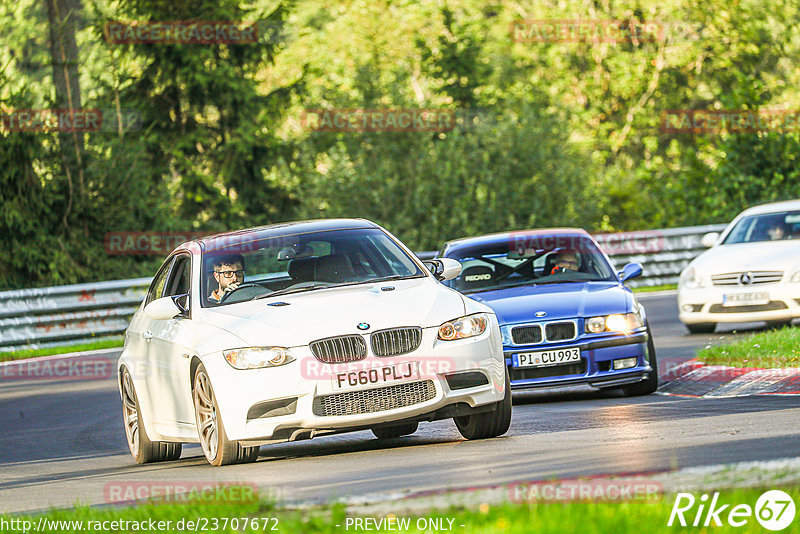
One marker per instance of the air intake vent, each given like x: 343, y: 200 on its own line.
x: 374, y: 400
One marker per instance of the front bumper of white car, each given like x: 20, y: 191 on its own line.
x: 738, y: 304
x: 306, y: 397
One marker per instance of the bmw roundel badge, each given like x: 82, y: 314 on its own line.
x: 540, y: 313
x: 363, y: 326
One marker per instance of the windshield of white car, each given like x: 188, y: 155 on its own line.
x: 492, y: 267
x: 765, y: 227
x: 303, y: 262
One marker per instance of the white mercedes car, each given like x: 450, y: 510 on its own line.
x: 296, y: 330
x: 751, y: 272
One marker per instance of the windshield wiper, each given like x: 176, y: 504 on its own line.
x: 501, y: 286
x: 390, y: 277
x: 287, y: 290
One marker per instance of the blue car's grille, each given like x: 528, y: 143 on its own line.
x: 525, y: 335
x: 559, y: 331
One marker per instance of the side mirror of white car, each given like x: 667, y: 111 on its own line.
x: 163, y: 309
x: 710, y: 239
x: 444, y: 268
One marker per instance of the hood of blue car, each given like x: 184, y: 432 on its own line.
x: 560, y: 301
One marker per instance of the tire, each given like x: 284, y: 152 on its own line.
x: 487, y: 424
x: 389, y: 432
x: 701, y: 328
x: 650, y: 384
x: 142, y: 448
x: 217, y: 448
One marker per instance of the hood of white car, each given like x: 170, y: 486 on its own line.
x: 322, y: 313
x: 760, y: 256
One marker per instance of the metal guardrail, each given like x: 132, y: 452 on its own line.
x: 51, y: 316
x: 662, y: 253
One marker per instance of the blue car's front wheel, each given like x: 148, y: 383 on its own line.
x: 650, y: 384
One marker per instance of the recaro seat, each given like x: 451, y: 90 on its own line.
x: 476, y: 276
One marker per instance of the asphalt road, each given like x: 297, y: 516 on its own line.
x: 62, y: 442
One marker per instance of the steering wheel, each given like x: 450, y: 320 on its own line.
x: 227, y: 294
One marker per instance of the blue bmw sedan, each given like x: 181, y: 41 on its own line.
x: 565, y: 315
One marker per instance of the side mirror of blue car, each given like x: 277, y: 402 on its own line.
x: 631, y: 270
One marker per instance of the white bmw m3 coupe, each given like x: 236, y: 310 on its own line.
x: 750, y: 273
x: 296, y: 330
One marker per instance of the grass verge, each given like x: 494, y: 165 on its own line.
x: 650, y: 289
x: 772, y: 350
x: 107, y: 343
x: 587, y: 517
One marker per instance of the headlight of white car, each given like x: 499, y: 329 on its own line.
x: 795, y: 277
x: 463, y: 327
x: 691, y: 279
x: 257, y: 357
x: 623, y: 323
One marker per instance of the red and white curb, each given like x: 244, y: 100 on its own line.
x: 694, y: 379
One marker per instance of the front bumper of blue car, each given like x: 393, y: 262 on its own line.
x: 606, y: 361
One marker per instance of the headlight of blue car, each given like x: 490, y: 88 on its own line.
x: 622, y: 323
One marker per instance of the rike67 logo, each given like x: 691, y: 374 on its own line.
x: 774, y: 510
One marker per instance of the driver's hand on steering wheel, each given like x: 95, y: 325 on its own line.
x: 232, y: 287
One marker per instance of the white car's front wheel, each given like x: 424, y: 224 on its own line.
x: 487, y: 424
x: 218, y: 449
x: 142, y: 448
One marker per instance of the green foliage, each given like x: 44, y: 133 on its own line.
x: 770, y: 350
x: 567, y: 133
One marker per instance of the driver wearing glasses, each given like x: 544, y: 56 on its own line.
x: 229, y: 273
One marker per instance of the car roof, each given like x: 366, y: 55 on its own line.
x: 513, y: 237
x: 247, y: 235
x: 772, y: 207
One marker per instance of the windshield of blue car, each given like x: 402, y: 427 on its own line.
x: 765, y: 227
x: 495, y: 266
x: 299, y: 263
